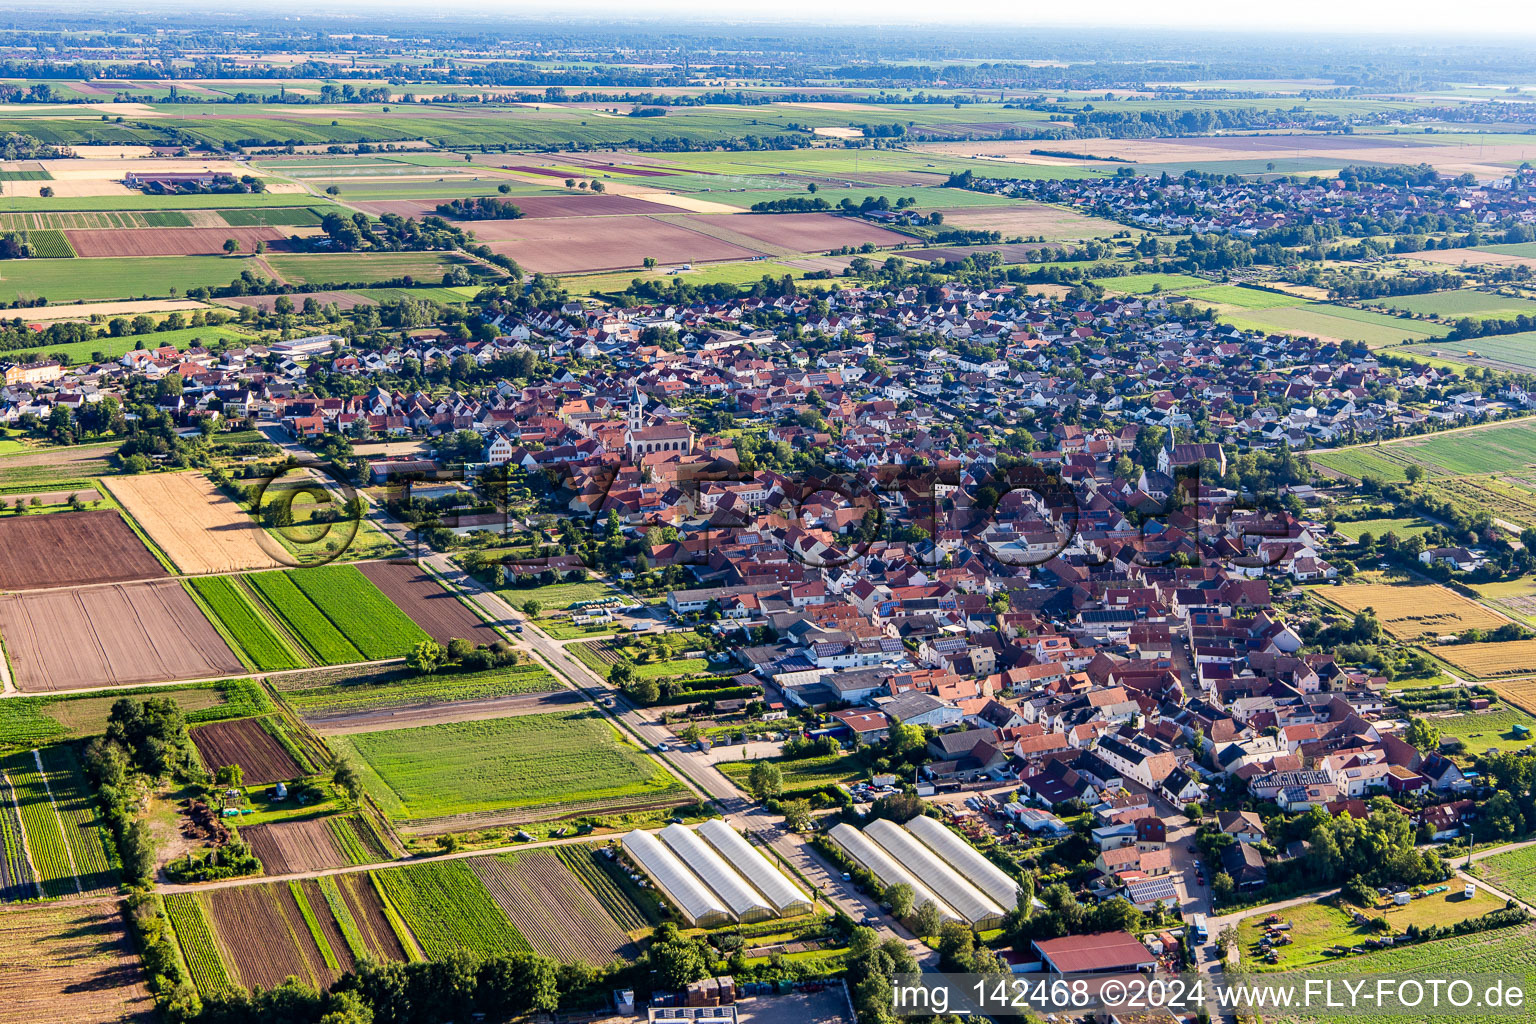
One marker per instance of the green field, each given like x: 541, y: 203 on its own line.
x: 1500, y: 448
x: 449, y: 910
x: 1513, y: 872
x: 400, y: 689
x: 62, y: 281
x: 803, y: 774
x: 29, y: 721
x: 1322, y: 320
x: 1480, y: 730
x: 46, y: 844
x: 1459, y: 303
x: 111, y: 348
x: 337, y: 612
x: 263, y: 646
x: 1403, y: 528
x: 1245, y: 298
x: 565, y: 758
x: 1517, y: 351
x: 301, y: 216
x: 1141, y: 284
x: 555, y: 597
x: 367, y: 267
x: 199, y: 949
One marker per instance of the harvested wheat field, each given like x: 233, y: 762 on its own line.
x: 71, y: 962
x: 113, y: 635
x: 1413, y: 612
x: 440, y: 614
x: 245, y: 742
x: 1025, y: 218
x: 200, y: 528
x: 67, y: 549
x: 1484, y: 660
x: 289, y: 847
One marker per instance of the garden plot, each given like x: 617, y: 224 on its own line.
x: 441, y: 614
x: 247, y: 743
x: 557, y: 914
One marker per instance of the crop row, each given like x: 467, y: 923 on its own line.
x: 40, y: 821
x: 369, y: 620
x: 597, y: 877
x: 306, y: 621
x: 16, y: 882
x: 93, y: 852
x: 313, y: 924
x: 267, y: 651
x: 343, y: 917
x: 198, y: 947
x: 354, y: 838
x: 447, y: 908
x: 362, y: 696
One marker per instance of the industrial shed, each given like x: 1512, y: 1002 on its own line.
x: 671, y: 876
x: 869, y: 856
x: 966, y: 859
x: 741, y: 899
x: 973, y: 905
x: 757, y: 869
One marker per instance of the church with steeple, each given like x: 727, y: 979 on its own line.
x: 648, y: 434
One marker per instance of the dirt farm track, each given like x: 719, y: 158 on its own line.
x: 110, y: 636
x: 67, y: 549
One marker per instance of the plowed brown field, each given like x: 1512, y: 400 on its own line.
x: 264, y: 938
x: 71, y: 962
x: 246, y: 743
x: 110, y: 636
x: 363, y: 900
x: 289, y: 847
x: 431, y: 607
x: 195, y: 523
x: 66, y: 549
x: 168, y: 241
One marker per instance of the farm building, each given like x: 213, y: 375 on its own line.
x: 671, y: 876
x: 869, y: 856
x: 964, y: 858
x: 739, y: 897
x: 974, y: 906
x: 783, y: 894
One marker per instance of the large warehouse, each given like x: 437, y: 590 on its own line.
x: 714, y: 876
x: 869, y: 856
x: 974, y: 907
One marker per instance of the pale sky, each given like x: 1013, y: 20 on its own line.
x: 1493, y: 18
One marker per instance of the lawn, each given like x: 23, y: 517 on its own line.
x: 803, y: 774
x: 1403, y: 528
x: 567, y: 757
x: 1318, y: 927
x: 557, y: 597
x: 61, y: 281
x: 1481, y: 730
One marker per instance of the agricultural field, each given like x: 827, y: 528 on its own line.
x: 199, y: 950
x: 41, y: 824
x: 1453, y: 305
x: 354, y: 269
x: 606, y: 880
x: 1513, y: 872
x: 1318, y: 927
x: 1143, y: 284
x: 31, y: 721
x: 557, y: 597
x: 111, y: 636
x: 448, y: 909
x: 1505, y: 351
x: 314, y: 844
x: 252, y: 744
x: 68, y: 280
x: 251, y: 633
x: 337, y: 613
x: 567, y: 761
x: 1243, y: 297
x: 1410, y: 612
x: 1496, y: 448
x: 72, y: 961
x: 553, y: 910
x: 1336, y: 323
x: 198, y: 527
x: 441, y: 614
x: 1483, y: 661
x: 267, y: 932
x: 70, y: 549
x: 375, y: 700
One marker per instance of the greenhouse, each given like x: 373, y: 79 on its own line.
x: 966, y: 859
x: 884, y: 867
x: 671, y: 876
x: 974, y: 906
x: 757, y: 869
x: 715, y: 872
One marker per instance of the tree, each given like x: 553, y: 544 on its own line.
x: 46, y: 191
x: 426, y: 657
x: 231, y: 245
x: 1414, y: 473
x: 899, y: 899
x: 676, y: 960
x: 599, y: 187
x: 531, y: 608
x: 927, y: 920
x: 1193, y: 811
x: 231, y: 776
x: 1421, y: 735
x: 797, y: 813
x: 765, y: 780
x: 347, y: 779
